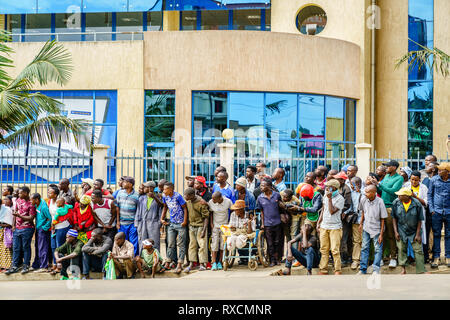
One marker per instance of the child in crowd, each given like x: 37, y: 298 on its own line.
x: 311, y: 203
x: 150, y: 260
x: 291, y: 205
x: 63, y: 212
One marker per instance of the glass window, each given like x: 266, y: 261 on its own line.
x: 247, y: 19
x: 145, y: 5
x: 154, y: 21
x: 311, y: 117
x: 268, y: 19
x: 310, y: 148
x: 105, y: 6
x: 159, y: 116
x: 311, y: 20
x: 188, y: 20
x: 420, y: 95
x: 420, y: 126
x: 210, y: 113
x: 105, y: 107
x: 350, y: 118
x: 281, y: 116
x: 35, y: 25
x: 247, y: 114
x: 214, y: 20
x: 159, y: 103
x: 99, y: 25
x: 58, y: 6
x: 159, y: 129
x: 335, y: 154
x: 160, y: 164
x: 335, y: 118
x: 422, y: 9
x: 129, y: 22
x: 282, y: 148
x: 68, y: 23
x: 249, y: 147
x: 14, y: 25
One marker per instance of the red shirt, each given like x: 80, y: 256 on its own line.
x: 83, y: 221
x: 104, y: 192
x: 24, y: 208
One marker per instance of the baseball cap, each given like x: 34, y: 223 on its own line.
x: 391, y: 163
x: 340, y: 175
x: 202, y: 180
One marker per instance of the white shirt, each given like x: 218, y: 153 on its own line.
x: 52, y: 208
x: 251, y: 185
x: 220, y: 211
x: 6, y: 215
x: 332, y: 221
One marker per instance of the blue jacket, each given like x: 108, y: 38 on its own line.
x: 439, y: 195
x: 250, y: 201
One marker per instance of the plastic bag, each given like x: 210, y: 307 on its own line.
x: 109, y: 269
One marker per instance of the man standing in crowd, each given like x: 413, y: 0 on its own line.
x: 261, y: 171
x: 329, y: 227
x: 127, y: 203
x: 65, y: 192
x: 24, y: 214
x: 223, y: 186
x: 354, y: 219
x: 190, y: 181
x: 346, y: 193
x: 381, y: 172
x: 69, y: 254
x: 277, y: 177
x: 42, y: 235
x: 120, y: 187
x: 321, y: 173
x: 95, y: 252
x: 407, y: 214
x: 373, y: 215
x: 176, y: 205
x: 201, y: 189
x: 98, y: 185
x: 390, y: 184
x: 268, y: 202
x: 439, y: 204
x: 250, y: 176
x: 105, y: 213
x: 123, y: 256
x: 431, y: 158
x: 431, y: 171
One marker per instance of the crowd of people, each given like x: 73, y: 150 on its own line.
x: 331, y: 217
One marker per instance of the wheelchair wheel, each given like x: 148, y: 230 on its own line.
x: 252, y: 264
x: 262, y: 249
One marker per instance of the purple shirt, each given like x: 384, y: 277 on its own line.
x: 270, y: 208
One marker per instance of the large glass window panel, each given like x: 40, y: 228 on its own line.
x: 206, y: 146
x: 106, y: 135
x: 59, y: 6
x: 350, y: 114
x: 420, y: 126
x: 68, y: 23
x: 268, y: 19
x: 420, y: 95
x: 160, y: 164
x: 100, y: 24
x: 105, y: 6
x: 281, y: 116
x: 421, y: 33
x: 281, y: 148
x: 14, y: 25
x: 105, y: 107
x: 210, y: 113
x: 188, y: 20
x: 334, y: 118
x: 129, y: 22
x: 154, y: 21
x: 247, y: 114
x: 249, y: 147
x: 214, y: 20
x: 419, y: 150
x: 335, y: 154
x: 159, y: 129
x: 423, y: 9
x: 36, y: 25
x: 311, y: 117
x: 247, y: 19
x: 158, y: 103
x: 311, y: 148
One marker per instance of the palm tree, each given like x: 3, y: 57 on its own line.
x: 420, y: 58
x: 32, y: 116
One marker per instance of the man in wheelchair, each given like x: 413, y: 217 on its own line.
x: 242, y: 228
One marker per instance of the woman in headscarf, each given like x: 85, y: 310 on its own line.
x: 84, y: 221
x: 6, y: 221
x: 148, y: 215
x: 405, y: 172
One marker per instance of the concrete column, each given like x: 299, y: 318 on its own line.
x: 171, y: 20
x: 363, y: 159
x: 100, y: 164
x: 227, y: 159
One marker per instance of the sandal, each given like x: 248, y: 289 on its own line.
x: 178, y: 270
x: 187, y: 270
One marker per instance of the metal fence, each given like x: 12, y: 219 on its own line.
x: 413, y: 163
x: 78, y: 36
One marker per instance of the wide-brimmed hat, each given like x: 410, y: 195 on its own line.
x: 89, y: 181
x: 444, y: 166
x: 239, y: 204
x: 404, y: 192
x: 190, y: 177
x: 150, y: 184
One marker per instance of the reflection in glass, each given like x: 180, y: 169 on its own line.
x: 311, y: 117
x: 129, y: 22
x: 350, y: 118
x: 214, y: 20
x: 14, y: 23
x: 268, y: 19
x: 281, y: 116
x: 145, y: 5
x: 188, y: 20
x: 247, y: 114
x: 210, y: 113
x: 35, y: 25
x: 420, y: 95
x: 249, y: 147
x: 311, y: 20
x: 159, y: 103
x: 422, y: 9
x: 334, y: 118
x: 159, y: 129
x: 334, y: 153
x: 159, y: 166
x: 247, y: 20
x: 420, y: 126
x: 104, y: 6
x: 154, y: 21
x: 58, y: 6
x: 68, y: 23
x: 99, y: 22
x: 281, y: 148
x: 21, y: 7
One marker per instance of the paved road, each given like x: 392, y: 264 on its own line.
x: 238, y: 285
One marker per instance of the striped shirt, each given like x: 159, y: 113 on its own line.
x: 127, y: 203
x: 103, y: 211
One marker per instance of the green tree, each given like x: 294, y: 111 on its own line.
x: 32, y: 115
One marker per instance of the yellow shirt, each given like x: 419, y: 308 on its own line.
x: 415, y: 189
x: 406, y: 205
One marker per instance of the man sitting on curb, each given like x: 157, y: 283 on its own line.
x: 123, y: 256
x: 150, y: 259
x: 95, y: 252
x: 308, y: 255
x: 69, y: 254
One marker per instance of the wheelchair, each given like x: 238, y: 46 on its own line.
x: 255, y: 249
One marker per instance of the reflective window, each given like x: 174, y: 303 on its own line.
x: 311, y: 117
x: 100, y: 25
x: 145, y: 5
x: 104, y: 6
x: 350, y: 119
x: 214, y: 20
x: 188, y: 20
x: 68, y: 23
x: 281, y: 116
x: 36, y: 25
x: 246, y: 114
x: 22, y: 6
x: 334, y: 118
x: 154, y: 21
x: 420, y: 133
x: 129, y: 22
x: 420, y: 95
x: 209, y: 113
x: 159, y: 116
x: 14, y: 25
x: 311, y: 20
x: 247, y: 19
x: 268, y: 19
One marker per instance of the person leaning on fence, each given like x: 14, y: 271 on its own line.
x: 150, y: 260
x: 407, y: 214
x: 122, y: 256
x: 69, y: 254
x: 95, y: 252
x: 329, y: 227
x: 6, y: 223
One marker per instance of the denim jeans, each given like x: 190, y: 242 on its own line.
x: 22, y: 246
x: 58, y: 239
x: 437, y: 220
x: 310, y: 258
x: 92, y: 262
x: 131, y: 235
x: 177, y: 240
x: 365, y: 252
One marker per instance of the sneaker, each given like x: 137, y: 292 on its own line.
x: 219, y: 266
x: 354, y: 265
x: 393, y: 263
x: 208, y: 266
x: 201, y: 268
x: 376, y: 272
x: 63, y: 278
x: 25, y: 269
x: 435, y: 263
x: 296, y: 264
x: 32, y: 269
x: 214, y: 267
x: 12, y: 270
x: 361, y: 273
x: 187, y: 270
x: 381, y: 263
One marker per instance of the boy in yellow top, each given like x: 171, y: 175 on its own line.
x: 198, y: 216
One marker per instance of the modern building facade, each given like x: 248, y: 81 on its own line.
x: 291, y: 77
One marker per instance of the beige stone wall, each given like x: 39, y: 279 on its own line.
x: 392, y: 85
x: 441, y: 105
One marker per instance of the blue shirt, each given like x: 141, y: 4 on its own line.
x: 127, y: 204
x: 174, y: 204
x: 439, y: 195
x: 250, y: 201
x: 116, y: 192
x: 281, y: 186
x: 270, y: 208
x: 226, y: 192
x: 43, y: 217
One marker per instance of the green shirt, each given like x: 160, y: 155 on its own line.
x: 149, y: 202
x: 389, y: 186
x: 149, y: 257
x: 197, y: 212
x: 67, y: 248
x: 407, y: 221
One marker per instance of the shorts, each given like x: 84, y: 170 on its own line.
x: 147, y: 268
x: 216, y: 239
